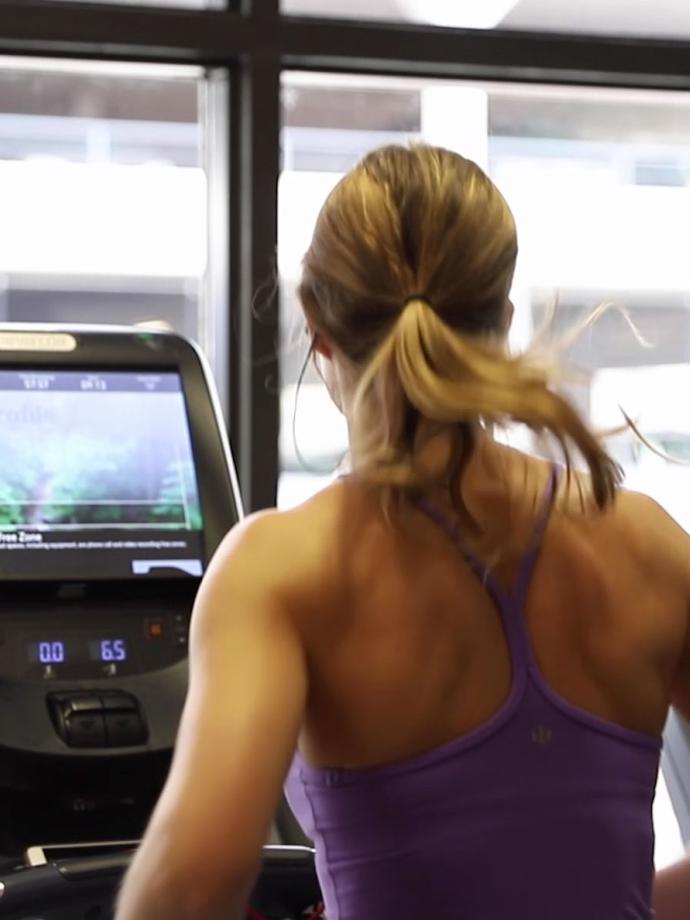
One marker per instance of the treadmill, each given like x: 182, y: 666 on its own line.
x: 116, y: 487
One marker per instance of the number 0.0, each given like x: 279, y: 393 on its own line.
x: 51, y: 652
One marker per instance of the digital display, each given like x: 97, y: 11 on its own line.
x: 97, y: 476
x: 108, y: 650
x: 61, y: 651
x: 48, y: 651
x: 51, y: 652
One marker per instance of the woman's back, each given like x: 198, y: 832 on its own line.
x: 412, y: 673
x: 407, y: 650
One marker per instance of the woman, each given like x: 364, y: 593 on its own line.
x: 473, y: 653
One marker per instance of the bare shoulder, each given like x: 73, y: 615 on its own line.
x: 640, y: 526
x: 650, y: 523
x: 289, y: 554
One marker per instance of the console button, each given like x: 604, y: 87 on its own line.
x: 85, y: 729
x: 124, y: 729
x: 78, y: 718
x: 118, y: 700
x: 73, y: 704
x: 85, y: 720
x: 154, y: 628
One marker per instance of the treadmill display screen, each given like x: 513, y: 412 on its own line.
x: 97, y: 477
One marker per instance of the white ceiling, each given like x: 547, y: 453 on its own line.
x: 650, y: 18
x: 644, y: 18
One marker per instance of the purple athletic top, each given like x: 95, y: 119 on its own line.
x: 542, y: 813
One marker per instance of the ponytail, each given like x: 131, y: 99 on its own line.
x: 427, y: 371
x: 425, y: 219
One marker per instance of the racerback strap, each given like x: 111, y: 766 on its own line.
x: 510, y: 603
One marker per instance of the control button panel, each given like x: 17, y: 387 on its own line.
x: 93, y: 644
x: 98, y: 720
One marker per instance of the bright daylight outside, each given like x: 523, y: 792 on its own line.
x: 599, y: 182
x: 103, y: 194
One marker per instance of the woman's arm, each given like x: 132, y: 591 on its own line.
x: 671, y: 900
x: 238, y: 733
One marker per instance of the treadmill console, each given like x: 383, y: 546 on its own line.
x: 116, y: 487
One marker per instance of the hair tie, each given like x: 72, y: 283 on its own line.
x: 421, y: 297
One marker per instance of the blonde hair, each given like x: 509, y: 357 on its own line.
x: 408, y: 275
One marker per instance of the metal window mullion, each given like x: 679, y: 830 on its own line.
x: 254, y: 326
x: 493, y: 54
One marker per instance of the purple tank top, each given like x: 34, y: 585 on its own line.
x: 542, y: 813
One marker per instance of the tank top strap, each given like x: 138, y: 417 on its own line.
x: 529, y: 560
x: 510, y: 603
x: 452, y: 527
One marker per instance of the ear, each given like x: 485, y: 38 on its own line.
x: 321, y: 346
x: 509, y: 313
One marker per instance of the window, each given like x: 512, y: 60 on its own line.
x: 599, y: 183
x: 666, y: 18
x: 103, y: 192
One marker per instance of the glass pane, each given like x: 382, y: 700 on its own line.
x: 599, y: 182
x: 669, y: 18
x: 103, y: 216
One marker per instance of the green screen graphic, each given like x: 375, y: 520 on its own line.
x: 73, y: 458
